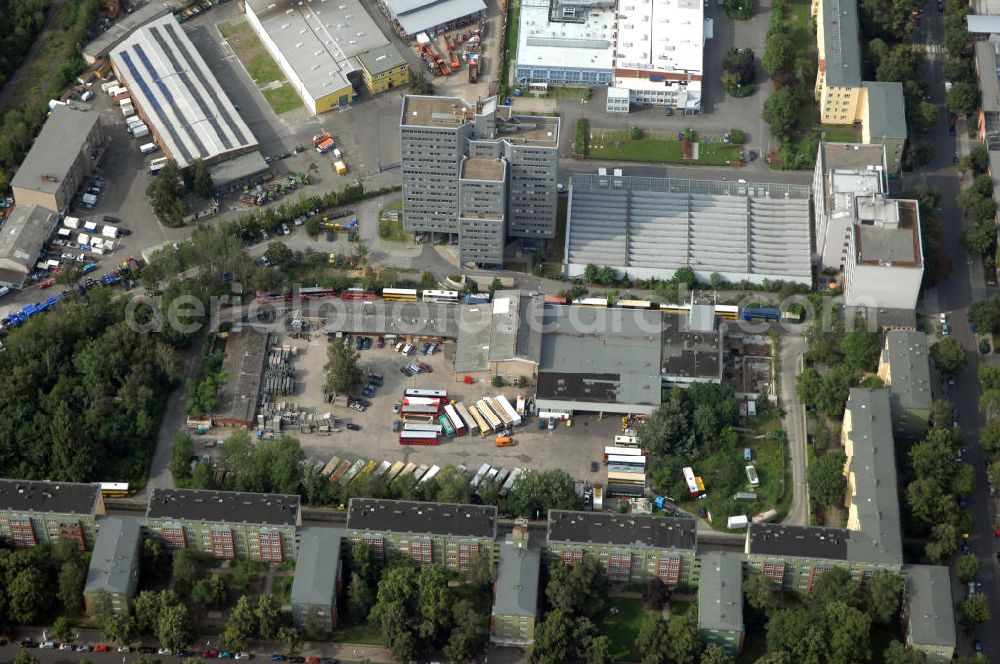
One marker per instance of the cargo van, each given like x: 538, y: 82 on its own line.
x: 157, y: 164
x: 148, y: 148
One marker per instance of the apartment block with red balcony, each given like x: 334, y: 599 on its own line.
x: 446, y: 534
x: 45, y: 512
x: 318, y: 577
x: 631, y: 547
x: 226, y: 524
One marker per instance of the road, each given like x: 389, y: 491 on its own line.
x: 794, y: 422
x: 953, y: 295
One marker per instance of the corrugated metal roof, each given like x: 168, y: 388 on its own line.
x: 419, y: 15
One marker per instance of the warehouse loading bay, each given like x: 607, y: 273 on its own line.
x: 572, y: 449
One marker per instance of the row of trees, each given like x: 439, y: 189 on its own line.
x: 167, y: 190
x: 959, y: 70
x: 40, y: 582
x: 977, y: 203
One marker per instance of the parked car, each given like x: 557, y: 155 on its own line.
x: 101, y: 647
x: 395, y: 407
x: 186, y: 653
x: 425, y: 368
x: 312, y: 660
x: 376, y: 376
x: 368, y: 392
x: 396, y: 426
x: 353, y: 427
x: 147, y: 650
x: 242, y: 655
x: 164, y: 651
x: 83, y: 648
x: 65, y: 646
x: 432, y: 349
x: 47, y: 645
x: 298, y: 659
x: 28, y: 643
x: 47, y: 283
x: 278, y: 658
x: 225, y: 654
x: 406, y: 371
x: 425, y: 348
x: 594, y: 467
x: 210, y: 653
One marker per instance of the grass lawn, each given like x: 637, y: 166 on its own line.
x: 799, y: 23
x: 658, y: 148
x: 623, y: 627
x: 364, y: 634
x: 282, y: 99
x: 724, y: 476
x: 559, y: 92
x: 282, y: 588
x: 838, y: 133
x: 678, y: 608
x: 261, y: 66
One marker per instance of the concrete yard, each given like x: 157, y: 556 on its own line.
x: 571, y: 449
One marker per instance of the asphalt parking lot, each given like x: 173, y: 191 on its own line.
x: 571, y: 449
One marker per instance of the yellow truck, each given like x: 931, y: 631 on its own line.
x: 340, y: 167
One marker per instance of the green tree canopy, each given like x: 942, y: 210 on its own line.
x: 949, y: 356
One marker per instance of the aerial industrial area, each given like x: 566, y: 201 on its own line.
x: 500, y: 330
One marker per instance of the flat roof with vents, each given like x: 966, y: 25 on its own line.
x: 224, y: 506
x: 621, y: 530
x: 319, y: 42
x: 177, y: 93
x: 585, y: 43
x: 401, y: 516
x: 769, y: 539
x: 51, y: 497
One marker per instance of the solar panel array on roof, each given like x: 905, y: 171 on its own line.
x: 181, y: 98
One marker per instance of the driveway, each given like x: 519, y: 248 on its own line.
x: 794, y: 422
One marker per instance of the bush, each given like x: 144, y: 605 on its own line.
x: 740, y: 10
x: 581, y: 143
x: 497, y: 381
x: 737, y: 136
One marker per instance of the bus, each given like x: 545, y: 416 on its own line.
x: 514, y: 474
x: 600, y: 302
x: 477, y: 298
x: 634, y: 479
x: 417, y: 438
x: 330, y: 466
x: 752, y: 476
x: 422, y: 426
x: 624, y: 490
x: 316, y: 293
x: 630, y: 460
x: 500, y: 412
x: 483, y: 469
x: 488, y: 415
x: 406, y: 471
x: 114, y: 489
x: 357, y: 294
x: 621, y: 451
x: 456, y: 421
x: 484, y: 426
x: 470, y: 422
x: 727, y: 311
x: 442, y: 296
x: 502, y: 401
x: 430, y: 394
x: 418, y: 417
x: 394, y: 471
x: 449, y: 430
x: 637, y: 304
x: 429, y: 475
x: 421, y: 401
x: 689, y: 479
x: 399, y: 294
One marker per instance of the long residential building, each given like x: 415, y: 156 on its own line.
x: 65, y: 153
x: 904, y: 367
x: 318, y: 578
x: 33, y: 513
x: 651, y: 227
x: 720, y: 601
x: 928, y: 612
x: 632, y: 548
x: 515, y: 596
x: 177, y: 96
x: 114, y: 565
x: 226, y: 524
x: 478, y: 173
x: 446, y: 534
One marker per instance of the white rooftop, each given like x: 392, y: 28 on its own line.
x: 660, y: 35
x: 169, y: 80
x: 587, y: 45
x: 319, y: 39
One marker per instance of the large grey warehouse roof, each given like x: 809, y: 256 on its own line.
x: 21, y: 240
x: 842, y: 44
x: 51, y: 497
x: 246, y: 351
x: 233, y: 506
x: 907, y: 355
x: 873, y: 469
x: 54, y: 152
x: 508, y: 328
x: 621, y: 529
x: 720, y: 592
x: 886, y: 114
x: 115, y: 555
x: 403, y: 516
x: 319, y: 40
x: 517, y: 582
x: 929, y: 605
x: 651, y: 227
x: 317, y: 566
x: 417, y: 15
x: 171, y: 84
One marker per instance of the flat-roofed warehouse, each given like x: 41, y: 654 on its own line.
x: 178, y: 97
x: 652, y: 227
x: 317, y: 46
x: 409, y: 17
x: 61, y: 158
x: 21, y: 240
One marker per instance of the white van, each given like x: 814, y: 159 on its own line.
x: 407, y: 349
x: 148, y: 148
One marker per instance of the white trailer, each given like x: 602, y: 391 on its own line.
x: 511, y: 412
x: 141, y: 131
x: 90, y: 226
x: 109, y: 232
x: 485, y: 468
x: 71, y: 222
